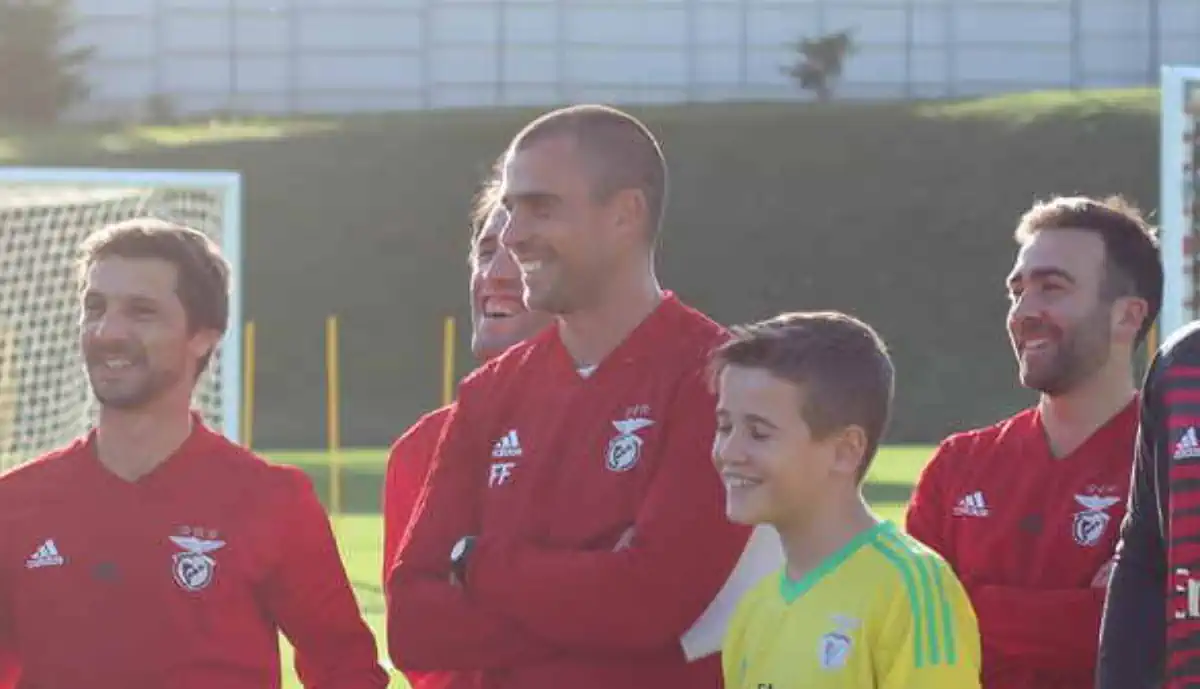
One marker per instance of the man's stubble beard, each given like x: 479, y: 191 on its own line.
x: 153, y: 387
x: 1084, y: 351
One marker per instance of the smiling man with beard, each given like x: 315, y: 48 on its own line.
x: 1026, y: 510
x: 152, y: 551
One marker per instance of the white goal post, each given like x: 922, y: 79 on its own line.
x: 1179, y: 202
x: 45, y: 213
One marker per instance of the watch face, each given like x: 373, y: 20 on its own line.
x: 459, y: 549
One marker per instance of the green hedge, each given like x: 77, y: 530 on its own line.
x: 901, y: 214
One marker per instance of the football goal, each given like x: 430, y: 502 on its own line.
x: 45, y: 213
x: 1179, y: 222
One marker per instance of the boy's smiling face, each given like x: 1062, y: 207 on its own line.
x: 774, y: 470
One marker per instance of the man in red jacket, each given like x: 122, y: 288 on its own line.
x: 152, y: 551
x: 1026, y: 510
x: 572, y: 532
x: 499, y: 320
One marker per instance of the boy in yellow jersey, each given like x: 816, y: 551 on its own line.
x: 804, y: 399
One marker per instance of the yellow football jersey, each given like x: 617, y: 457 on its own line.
x: 884, y: 612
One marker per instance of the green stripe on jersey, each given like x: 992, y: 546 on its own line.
x: 948, y: 634
x: 927, y: 600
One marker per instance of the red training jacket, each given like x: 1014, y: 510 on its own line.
x: 407, y: 468
x: 1031, y: 537
x: 551, y: 469
x: 181, y: 579
x: 9, y: 669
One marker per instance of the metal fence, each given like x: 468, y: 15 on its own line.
x: 277, y: 56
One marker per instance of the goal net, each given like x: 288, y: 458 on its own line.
x: 1179, y: 223
x: 45, y: 213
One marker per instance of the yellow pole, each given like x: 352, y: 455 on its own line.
x: 448, y: 338
x: 248, y: 385
x: 333, y: 428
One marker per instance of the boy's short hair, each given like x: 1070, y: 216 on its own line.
x: 839, y: 361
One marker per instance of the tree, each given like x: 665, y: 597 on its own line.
x: 820, y: 62
x: 40, y: 77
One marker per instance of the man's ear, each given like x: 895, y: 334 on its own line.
x: 630, y: 210
x: 850, y: 446
x: 1129, y: 314
x: 203, y: 341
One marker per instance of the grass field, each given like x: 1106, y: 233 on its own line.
x: 359, y: 527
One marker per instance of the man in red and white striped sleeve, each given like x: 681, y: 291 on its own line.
x: 1150, y: 636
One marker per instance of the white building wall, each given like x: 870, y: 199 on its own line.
x: 275, y: 56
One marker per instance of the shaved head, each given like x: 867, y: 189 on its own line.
x: 620, y: 151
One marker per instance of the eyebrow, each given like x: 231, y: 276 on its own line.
x: 755, y: 418
x: 752, y: 418
x: 509, y: 199
x: 137, y: 298
x: 1042, y: 274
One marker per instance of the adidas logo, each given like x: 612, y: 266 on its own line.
x: 971, y: 505
x: 507, y: 446
x: 45, y: 556
x: 1187, y: 447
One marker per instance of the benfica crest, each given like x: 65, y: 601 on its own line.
x: 194, y: 568
x: 834, y: 647
x: 625, y: 448
x: 1089, y: 525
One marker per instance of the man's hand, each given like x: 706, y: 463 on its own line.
x: 1100, y: 581
x: 624, y: 541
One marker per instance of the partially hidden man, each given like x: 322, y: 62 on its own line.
x: 1150, y: 635
x: 499, y: 320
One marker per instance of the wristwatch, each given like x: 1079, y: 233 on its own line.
x: 459, y: 555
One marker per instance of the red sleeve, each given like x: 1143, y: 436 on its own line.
x: 1052, y: 629
x: 10, y: 671
x: 1013, y: 622
x: 9, y: 667
x: 927, y: 511
x: 407, y: 467
x: 644, y: 596
x: 432, y: 624
x: 309, y: 596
